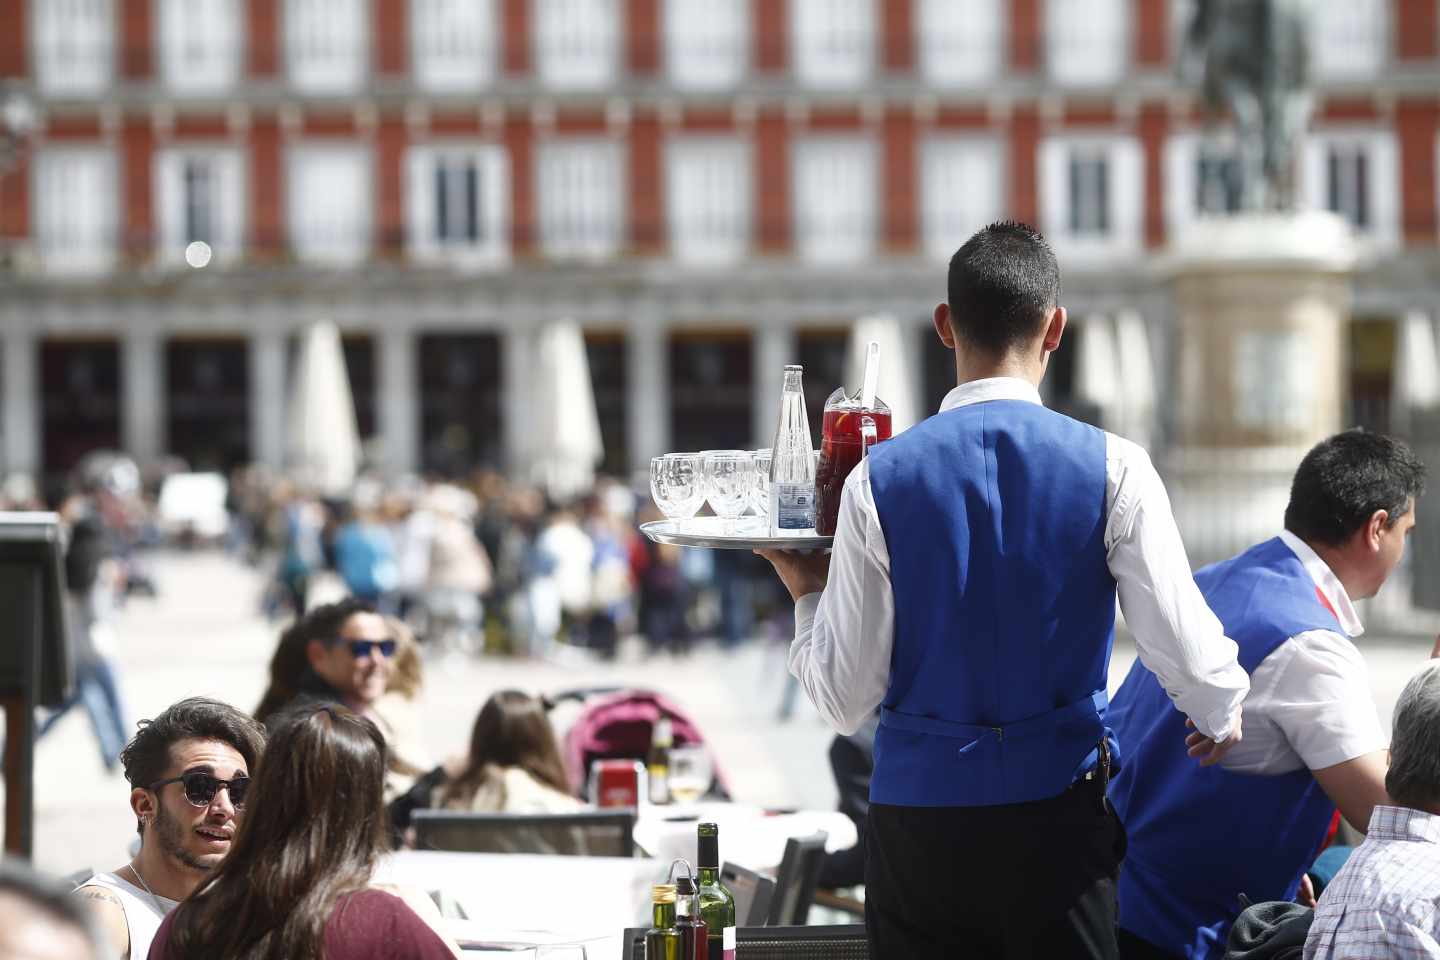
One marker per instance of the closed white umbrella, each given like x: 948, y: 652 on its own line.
x: 899, y: 383
x: 1137, y: 378
x: 1417, y: 374
x: 1097, y: 368
x: 322, y: 446
x: 564, y: 445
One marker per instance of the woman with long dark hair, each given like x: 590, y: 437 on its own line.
x: 514, y: 764
x: 296, y: 885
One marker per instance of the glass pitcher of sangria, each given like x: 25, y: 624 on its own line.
x: 849, y: 428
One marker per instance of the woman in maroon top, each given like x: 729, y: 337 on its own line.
x: 296, y: 884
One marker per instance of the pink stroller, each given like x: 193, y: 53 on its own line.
x: 616, y: 723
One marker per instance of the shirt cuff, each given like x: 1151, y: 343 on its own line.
x: 1222, y: 724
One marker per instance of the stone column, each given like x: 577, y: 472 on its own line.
x: 517, y: 355
x: 142, y: 396
x: 269, y: 393
x: 1262, y: 304
x: 398, y: 407
x: 20, y: 403
x: 647, y: 390
x: 774, y: 348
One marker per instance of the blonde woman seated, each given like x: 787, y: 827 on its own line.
x: 514, y: 764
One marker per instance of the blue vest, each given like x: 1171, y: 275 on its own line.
x: 994, y: 516
x: 1200, y: 836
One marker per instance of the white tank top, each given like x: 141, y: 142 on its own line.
x: 143, y: 912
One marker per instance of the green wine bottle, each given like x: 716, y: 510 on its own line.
x: 717, y: 904
x: 662, y: 941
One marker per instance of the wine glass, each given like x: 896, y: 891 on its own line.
x: 677, y: 484
x: 690, y: 772
x: 729, y: 477
x: 760, y: 492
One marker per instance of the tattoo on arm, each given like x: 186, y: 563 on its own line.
x: 97, y: 893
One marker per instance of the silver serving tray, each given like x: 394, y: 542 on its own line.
x: 750, y: 533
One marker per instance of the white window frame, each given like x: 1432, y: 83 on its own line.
x: 201, y: 45
x: 453, y: 44
x: 335, y: 74
x: 707, y: 43
x: 577, y: 42
x: 956, y: 199
x: 228, y: 164
x: 88, y: 242
x: 1181, y: 159
x: 600, y: 214
x: 82, y: 72
x: 492, y: 247
x: 822, y: 55
x: 709, y: 212
x: 1065, y: 21
x: 1383, y: 176
x: 354, y: 240
x: 952, y: 51
x: 820, y: 237
x: 1341, y: 30
x: 1125, y: 189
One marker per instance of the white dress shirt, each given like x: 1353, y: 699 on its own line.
x: 1310, y: 704
x: 1385, y: 901
x: 844, y: 635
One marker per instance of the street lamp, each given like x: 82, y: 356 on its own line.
x: 17, y: 119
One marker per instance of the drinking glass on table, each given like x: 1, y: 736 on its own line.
x: 677, y: 483
x: 729, y: 477
x: 760, y: 492
x: 690, y: 772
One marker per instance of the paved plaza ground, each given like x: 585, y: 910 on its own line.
x: 203, y: 635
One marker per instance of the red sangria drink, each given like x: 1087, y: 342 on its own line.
x: 842, y: 445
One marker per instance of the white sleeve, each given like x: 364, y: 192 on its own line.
x: 844, y: 635
x: 1176, y: 635
x: 1317, y: 691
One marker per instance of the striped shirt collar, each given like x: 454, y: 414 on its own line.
x: 1404, y: 823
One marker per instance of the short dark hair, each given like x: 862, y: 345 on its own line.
x: 1343, y: 480
x: 1003, y: 284
x: 147, y: 756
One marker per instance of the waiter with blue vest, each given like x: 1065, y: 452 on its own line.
x: 1314, y: 742
x: 970, y: 596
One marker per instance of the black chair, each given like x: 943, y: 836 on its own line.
x: 592, y: 833
x: 844, y: 942
x: 796, y: 880
x: 753, y: 893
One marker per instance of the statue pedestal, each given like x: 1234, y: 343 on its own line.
x: 1262, y: 302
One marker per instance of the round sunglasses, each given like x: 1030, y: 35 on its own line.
x: 200, y: 787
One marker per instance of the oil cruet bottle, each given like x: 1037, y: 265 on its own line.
x: 662, y: 940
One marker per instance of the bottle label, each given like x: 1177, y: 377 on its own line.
x: 659, y: 784
x: 794, y: 506
x: 728, y: 943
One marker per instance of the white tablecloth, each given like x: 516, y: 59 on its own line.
x: 528, y: 898
x: 749, y: 835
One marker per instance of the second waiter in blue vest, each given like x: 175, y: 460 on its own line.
x: 970, y: 598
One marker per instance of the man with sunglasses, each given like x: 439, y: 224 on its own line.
x: 189, y: 770
x: 351, y: 665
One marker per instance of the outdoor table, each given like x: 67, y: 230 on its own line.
x: 750, y: 835
x: 519, y: 898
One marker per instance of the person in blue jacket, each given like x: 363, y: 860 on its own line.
x: 1313, y: 741
x: 970, y: 597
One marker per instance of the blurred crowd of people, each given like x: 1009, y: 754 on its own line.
x: 489, y: 565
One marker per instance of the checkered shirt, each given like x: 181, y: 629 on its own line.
x: 1385, y: 901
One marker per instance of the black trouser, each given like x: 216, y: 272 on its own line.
x: 1019, y: 880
